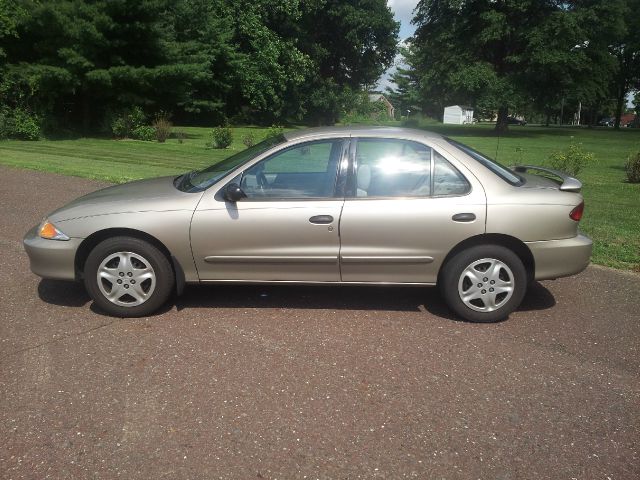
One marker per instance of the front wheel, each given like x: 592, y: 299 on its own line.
x: 484, y: 283
x: 128, y: 277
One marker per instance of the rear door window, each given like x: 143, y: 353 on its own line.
x: 392, y: 168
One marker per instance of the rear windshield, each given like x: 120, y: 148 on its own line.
x: 500, y: 170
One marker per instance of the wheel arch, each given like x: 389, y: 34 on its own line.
x: 95, y: 238
x: 514, y: 244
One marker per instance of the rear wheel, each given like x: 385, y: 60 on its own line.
x: 128, y: 277
x: 484, y: 283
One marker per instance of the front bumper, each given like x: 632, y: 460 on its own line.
x: 51, y: 258
x: 561, y: 258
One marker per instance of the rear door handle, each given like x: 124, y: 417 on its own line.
x: 464, y: 217
x: 321, y: 219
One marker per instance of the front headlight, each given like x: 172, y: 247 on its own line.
x: 49, y: 231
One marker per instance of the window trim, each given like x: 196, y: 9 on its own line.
x: 351, y: 182
x: 344, y: 143
x: 474, y: 154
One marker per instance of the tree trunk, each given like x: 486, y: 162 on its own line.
x: 502, y: 125
x: 622, y: 95
x: 86, y: 113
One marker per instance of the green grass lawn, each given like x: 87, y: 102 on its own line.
x: 612, y: 215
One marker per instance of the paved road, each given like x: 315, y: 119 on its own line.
x: 250, y: 382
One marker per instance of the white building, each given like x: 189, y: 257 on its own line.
x: 458, y: 115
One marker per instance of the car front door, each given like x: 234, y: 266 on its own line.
x: 286, y: 229
x: 407, y: 206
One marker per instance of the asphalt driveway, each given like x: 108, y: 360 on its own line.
x: 293, y: 382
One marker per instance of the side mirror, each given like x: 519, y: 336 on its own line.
x: 233, y: 193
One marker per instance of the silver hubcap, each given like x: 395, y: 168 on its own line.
x: 486, y: 285
x: 126, y: 279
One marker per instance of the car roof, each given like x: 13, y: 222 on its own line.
x: 360, y: 130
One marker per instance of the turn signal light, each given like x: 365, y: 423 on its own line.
x: 576, y: 213
x: 49, y: 231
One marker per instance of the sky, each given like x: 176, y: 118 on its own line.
x: 402, y: 10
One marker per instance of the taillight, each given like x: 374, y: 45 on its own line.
x: 576, y: 213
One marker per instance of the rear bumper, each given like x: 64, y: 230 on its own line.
x: 561, y: 258
x: 51, y: 258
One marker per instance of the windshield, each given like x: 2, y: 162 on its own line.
x: 197, y: 181
x: 500, y: 170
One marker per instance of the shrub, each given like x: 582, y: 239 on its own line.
x: 221, y: 137
x: 274, y: 131
x: 23, y: 125
x: 162, y: 126
x: 571, y: 161
x: 144, y: 132
x: 633, y: 167
x: 124, y: 124
x: 248, y: 140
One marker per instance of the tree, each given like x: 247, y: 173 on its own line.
x: 505, y: 53
x: 350, y: 44
x: 77, y: 61
x: 405, y: 94
x: 626, y: 51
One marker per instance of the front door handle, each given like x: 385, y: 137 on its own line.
x: 464, y: 217
x: 321, y: 219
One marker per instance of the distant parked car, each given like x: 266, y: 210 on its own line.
x: 346, y: 206
x: 607, y: 122
x: 516, y: 121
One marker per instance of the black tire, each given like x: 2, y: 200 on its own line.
x: 143, y: 253
x: 451, y: 281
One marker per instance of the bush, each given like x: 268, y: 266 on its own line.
x: 633, y: 167
x: 144, y: 132
x: 274, y: 131
x: 248, y: 140
x: 123, y: 125
x: 23, y: 125
x: 162, y: 126
x: 221, y: 137
x: 571, y: 161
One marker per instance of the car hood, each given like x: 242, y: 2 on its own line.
x: 156, y: 194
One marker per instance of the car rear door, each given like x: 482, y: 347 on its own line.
x: 407, y: 205
x: 287, y: 227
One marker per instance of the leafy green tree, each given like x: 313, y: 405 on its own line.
x: 626, y: 52
x: 504, y: 54
x: 80, y: 62
x: 10, y: 14
x: 404, y: 96
x: 350, y: 44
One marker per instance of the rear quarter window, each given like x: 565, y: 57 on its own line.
x: 447, y: 179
